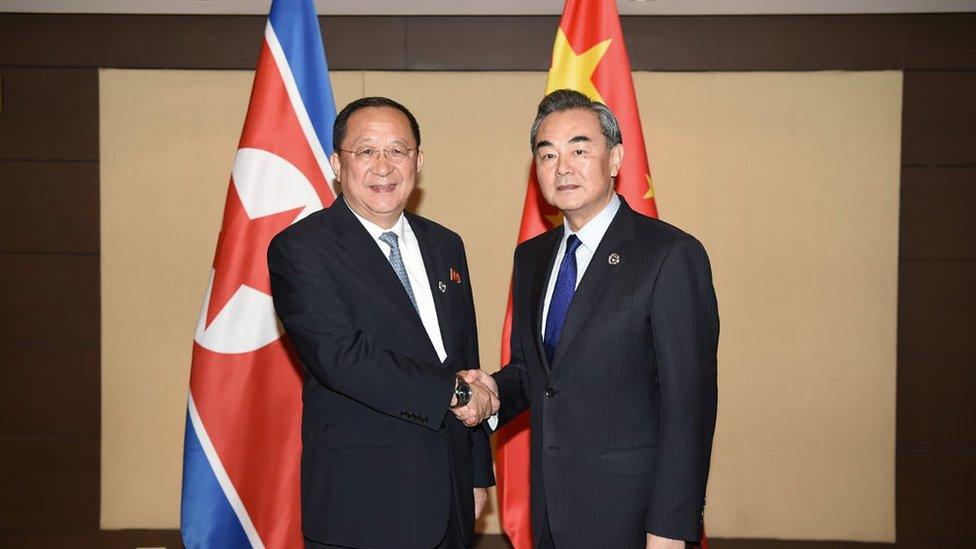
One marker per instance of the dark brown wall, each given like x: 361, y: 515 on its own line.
x: 49, y: 240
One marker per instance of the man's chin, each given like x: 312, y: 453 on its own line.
x: 387, y: 209
x: 567, y: 206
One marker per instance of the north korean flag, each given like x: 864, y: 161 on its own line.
x: 243, y: 442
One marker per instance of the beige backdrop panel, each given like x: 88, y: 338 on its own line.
x: 791, y: 181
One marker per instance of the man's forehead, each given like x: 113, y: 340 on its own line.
x: 374, y: 111
x: 378, y: 115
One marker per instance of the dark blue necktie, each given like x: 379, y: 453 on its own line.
x: 562, y: 296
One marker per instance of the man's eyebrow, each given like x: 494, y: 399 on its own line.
x: 370, y: 140
x: 541, y: 144
x: 580, y: 139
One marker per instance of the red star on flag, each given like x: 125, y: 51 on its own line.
x: 241, y: 257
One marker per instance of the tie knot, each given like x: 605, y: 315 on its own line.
x: 390, y: 238
x: 572, y: 243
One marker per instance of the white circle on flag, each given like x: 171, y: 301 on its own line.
x: 268, y: 184
x: 245, y: 324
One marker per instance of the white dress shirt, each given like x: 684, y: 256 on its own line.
x: 413, y: 261
x: 590, y: 236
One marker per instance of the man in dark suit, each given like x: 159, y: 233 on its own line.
x: 614, y: 339
x: 378, y: 306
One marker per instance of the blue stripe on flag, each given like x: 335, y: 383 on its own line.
x: 207, y: 520
x: 297, y: 29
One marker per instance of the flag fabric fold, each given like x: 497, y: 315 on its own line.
x: 588, y: 56
x: 241, y: 457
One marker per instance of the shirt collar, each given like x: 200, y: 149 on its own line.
x: 592, y: 233
x: 375, y: 230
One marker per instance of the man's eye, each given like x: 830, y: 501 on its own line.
x: 365, y: 153
x: 579, y: 152
x: 397, y: 153
x: 546, y: 156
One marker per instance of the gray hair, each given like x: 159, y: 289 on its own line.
x: 565, y: 100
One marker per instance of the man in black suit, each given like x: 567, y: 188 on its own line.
x: 378, y: 306
x: 614, y: 340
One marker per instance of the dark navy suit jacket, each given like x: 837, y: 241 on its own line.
x: 623, y: 417
x: 382, y: 456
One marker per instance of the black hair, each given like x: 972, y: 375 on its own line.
x: 565, y: 100
x: 339, y: 127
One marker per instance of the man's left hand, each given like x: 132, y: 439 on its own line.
x: 480, y: 499
x: 657, y: 542
x: 482, y: 405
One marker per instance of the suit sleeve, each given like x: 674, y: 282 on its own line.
x: 684, y: 320
x: 513, y: 378
x: 342, y: 357
x: 484, y: 474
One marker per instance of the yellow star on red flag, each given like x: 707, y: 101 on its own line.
x: 650, y: 188
x: 573, y: 71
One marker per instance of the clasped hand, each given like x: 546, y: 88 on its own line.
x: 484, y: 398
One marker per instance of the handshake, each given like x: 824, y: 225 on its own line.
x: 484, y: 401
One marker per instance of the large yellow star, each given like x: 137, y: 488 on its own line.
x: 650, y: 188
x: 573, y: 71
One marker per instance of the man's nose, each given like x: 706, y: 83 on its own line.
x: 381, y: 164
x: 563, y: 166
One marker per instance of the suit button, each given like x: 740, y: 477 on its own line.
x: 550, y: 391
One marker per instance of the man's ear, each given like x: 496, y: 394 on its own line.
x: 336, y: 163
x: 616, y: 158
x: 420, y: 159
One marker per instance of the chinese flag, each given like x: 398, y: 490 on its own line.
x: 588, y: 56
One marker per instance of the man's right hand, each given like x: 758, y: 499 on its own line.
x: 480, y: 376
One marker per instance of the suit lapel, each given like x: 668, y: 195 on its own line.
x: 436, y: 266
x: 356, y: 241
x: 540, y: 284
x: 594, y: 281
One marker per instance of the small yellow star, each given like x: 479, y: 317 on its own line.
x: 650, y: 188
x: 572, y: 70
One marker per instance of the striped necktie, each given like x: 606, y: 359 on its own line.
x: 396, y: 260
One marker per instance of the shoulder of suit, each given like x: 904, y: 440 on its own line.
x: 650, y: 227
x: 306, y: 228
x: 538, y: 241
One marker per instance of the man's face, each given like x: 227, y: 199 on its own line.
x: 376, y: 185
x: 573, y: 165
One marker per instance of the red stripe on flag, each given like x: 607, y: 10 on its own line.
x: 273, y: 126
x: 251, y: 406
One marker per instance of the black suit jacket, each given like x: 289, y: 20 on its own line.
x: 622, y: 419
x: 382, y: 456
